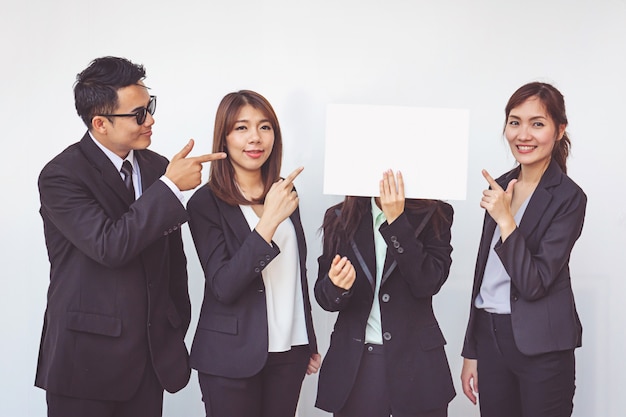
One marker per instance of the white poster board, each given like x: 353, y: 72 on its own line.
x: 428, y: 145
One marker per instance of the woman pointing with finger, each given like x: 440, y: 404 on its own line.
x: 254, y: 341
x: 523, y: 326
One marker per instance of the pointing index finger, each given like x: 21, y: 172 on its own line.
x: 492, y: 183
x: 209, y: 157
x: 185, y: 151
x: 293, y: 175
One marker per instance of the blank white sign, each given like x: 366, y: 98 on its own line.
x: 428, y: 145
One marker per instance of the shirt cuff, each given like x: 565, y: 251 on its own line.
x: 174, y: 189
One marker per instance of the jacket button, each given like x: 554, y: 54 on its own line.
x: 267, y: 257
x: 262, y: 263
x: 370, y: 348
x: 385, y: 298
x: 337, y: 300
x: 400, y: 250
x: 387, y: 336
x: 394, y: 239
x: 257, y: 270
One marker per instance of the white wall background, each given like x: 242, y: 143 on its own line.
x: 303, y: 54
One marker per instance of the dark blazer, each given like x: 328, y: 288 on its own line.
x: 231, y: 339
x: 536, y: 257
x: 417, y: 264
x: 118, y: 295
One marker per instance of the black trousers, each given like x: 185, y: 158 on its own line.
x: 369, y: 396
x: 147, y: 401
x: 273, y: 392
x: 516, y: 385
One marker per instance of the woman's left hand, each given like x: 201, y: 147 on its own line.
x: 314, y: 364
x: 392, y: 195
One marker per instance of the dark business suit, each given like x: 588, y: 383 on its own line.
x: 536, y: 257
x: 417, y: 265
x: 118, y: 300
x: 231, y: 339
x: 543, y: 317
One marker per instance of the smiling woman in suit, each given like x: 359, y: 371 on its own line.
x: 255, y: 341
x: 383, y: 260
x: 523, y: 326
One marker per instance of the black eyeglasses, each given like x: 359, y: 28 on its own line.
x: 140, y: 114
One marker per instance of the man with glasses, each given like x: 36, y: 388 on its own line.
x: 118, y: 305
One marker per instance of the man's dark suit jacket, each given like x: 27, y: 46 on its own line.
x: 536, y: 257
x: 118, y: 298
x: 417, y: 265
x: 231, y: 339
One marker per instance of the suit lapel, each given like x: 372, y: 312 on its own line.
x: 235, y: 220
x: 390, y: 266
x: 540, y: 199
x: 297, y: 225
x: 489, y: 227
x: 103, y: 164
x: 149, y: 172
x: 363, y: 247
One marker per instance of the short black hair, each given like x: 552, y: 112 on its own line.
x: 95, y: 90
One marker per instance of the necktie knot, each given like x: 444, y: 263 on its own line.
x: 127, y: 170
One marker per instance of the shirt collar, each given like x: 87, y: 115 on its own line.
x: 377, y: 214
x: 116, y: 160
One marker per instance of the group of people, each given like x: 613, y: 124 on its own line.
x: 118, y: 303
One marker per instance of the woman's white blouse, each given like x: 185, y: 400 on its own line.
x: 283, y: 290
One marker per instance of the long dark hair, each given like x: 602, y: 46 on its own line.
x: 338, y: 230
x: 222, y: 174
x: 554, y: 103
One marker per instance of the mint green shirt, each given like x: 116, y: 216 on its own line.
x: 373, y: 331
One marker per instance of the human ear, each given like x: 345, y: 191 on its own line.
x: 98, y: 124
x: 561, y: 131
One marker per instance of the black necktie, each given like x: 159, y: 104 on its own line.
x: 127, y: 170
